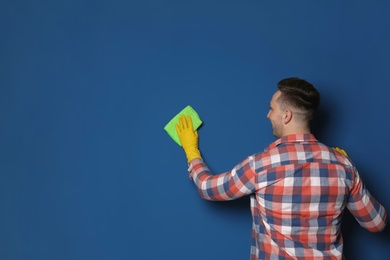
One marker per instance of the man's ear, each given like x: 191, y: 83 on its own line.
x: 287, y: 116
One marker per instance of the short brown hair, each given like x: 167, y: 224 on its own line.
x: 299, y: 94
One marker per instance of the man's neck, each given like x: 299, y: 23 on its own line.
x: 297, y: 131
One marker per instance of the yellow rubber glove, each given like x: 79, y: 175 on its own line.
x: 188, y: 138
x: 340, y: 151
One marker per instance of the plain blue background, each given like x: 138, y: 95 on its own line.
x: 86, y: 87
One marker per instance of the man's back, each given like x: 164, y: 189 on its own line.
x: 302, y: 189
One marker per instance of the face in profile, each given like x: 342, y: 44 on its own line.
x: 275, y: 115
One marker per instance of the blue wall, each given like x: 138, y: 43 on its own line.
x: 86, y: 87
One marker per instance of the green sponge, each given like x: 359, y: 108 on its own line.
x: 171, y: 129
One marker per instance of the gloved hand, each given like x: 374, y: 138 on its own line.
x: 340, y: 151
x: 188, y: 138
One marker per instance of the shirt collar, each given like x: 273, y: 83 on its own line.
x: 293, y: 138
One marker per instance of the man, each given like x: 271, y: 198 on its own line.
x: 298, y: 187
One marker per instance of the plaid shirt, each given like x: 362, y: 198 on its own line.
x: 298, y: 190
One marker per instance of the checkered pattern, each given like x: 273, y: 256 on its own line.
x: 298, y: 189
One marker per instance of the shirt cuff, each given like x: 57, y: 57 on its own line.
x: 193, y: 162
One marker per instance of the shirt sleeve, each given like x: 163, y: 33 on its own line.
x: 363, y: 206
x: 238, y: 182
